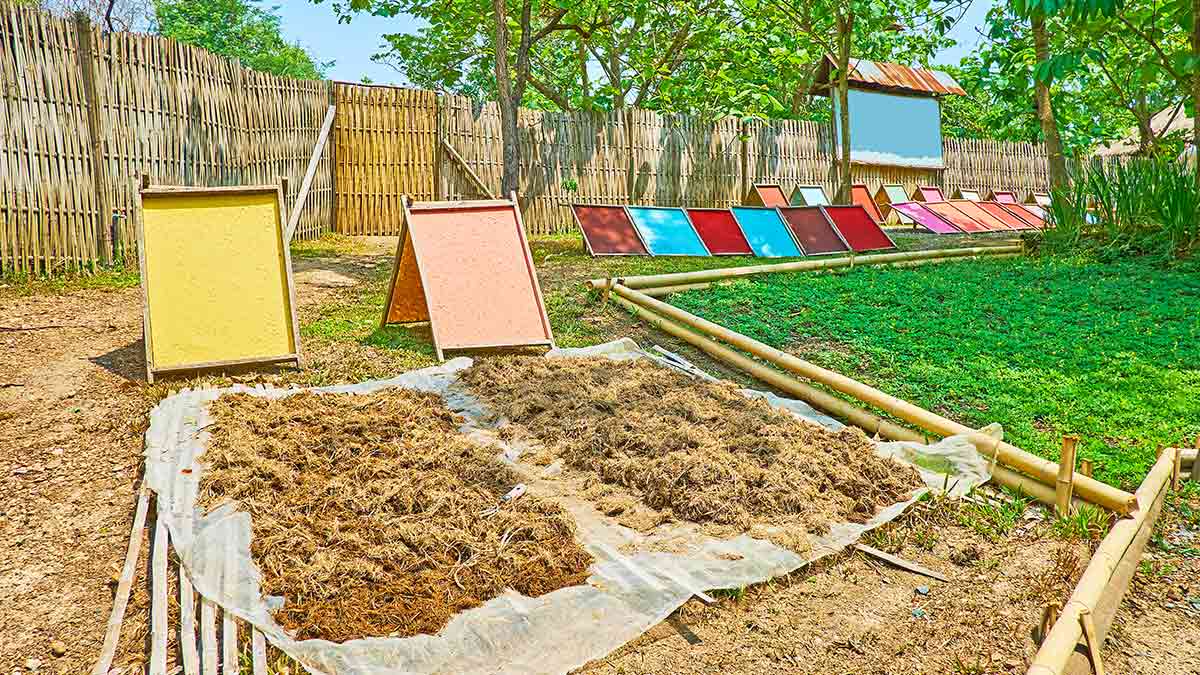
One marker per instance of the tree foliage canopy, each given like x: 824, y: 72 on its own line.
x: 240, y: 29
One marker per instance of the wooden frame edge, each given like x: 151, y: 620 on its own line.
x: 532, y: 269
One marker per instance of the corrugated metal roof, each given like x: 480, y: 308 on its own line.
x: 878, y: 75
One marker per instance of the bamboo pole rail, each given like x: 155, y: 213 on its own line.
x: 1106, y: 577
x: 1066, y: 472
x: 1011, y: 456
x: 708, y: 276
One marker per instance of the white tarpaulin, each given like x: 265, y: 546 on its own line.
x: 630, y: 588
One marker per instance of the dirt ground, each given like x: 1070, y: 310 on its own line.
x: 73, y: 404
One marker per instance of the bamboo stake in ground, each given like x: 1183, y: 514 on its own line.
x: 1036, y: 467
x: 1066, y: 474
x: 113, y: 632
x: 1094, y: 586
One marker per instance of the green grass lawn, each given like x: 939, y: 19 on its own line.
x: 1044, y: 346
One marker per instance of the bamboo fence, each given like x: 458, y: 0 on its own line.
x: 84, y: 113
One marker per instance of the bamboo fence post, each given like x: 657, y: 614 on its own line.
x: 1066, y: 475
x: 1085, y: 467
x: 86, y: 54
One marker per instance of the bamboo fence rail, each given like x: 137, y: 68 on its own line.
x: 84, y: 113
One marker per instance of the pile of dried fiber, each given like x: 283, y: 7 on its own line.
x: 704, y: 451
x: 366, y: 512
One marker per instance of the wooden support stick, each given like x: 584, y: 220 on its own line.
x: 1093, y: 640
x: 899, y: 562
x: 258, y: 648
x: 158, y: 598
x: 208, y: 636
x: 1066, y: 475
x: 121, y: 600
x: 310, y: 173
x: 462, y: 163
x: 1176, y: 469
x: 187, y: 625
x: 229, y: 643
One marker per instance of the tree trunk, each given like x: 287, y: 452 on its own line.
x: 845, y: 31
x: 1196, y: 92
x: 1056, y: 162
x: 511, y: 176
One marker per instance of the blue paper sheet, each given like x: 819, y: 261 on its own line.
x: 766, y: 232
x: 667, y: 231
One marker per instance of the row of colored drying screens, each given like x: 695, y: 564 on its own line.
x: 958, y: 216
x: 742, y: 230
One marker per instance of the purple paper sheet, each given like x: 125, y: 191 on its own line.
x: 926, y: 218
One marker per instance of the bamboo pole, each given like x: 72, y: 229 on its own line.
x: 702, y: 276
x: 1103, y: 576
x: 1066, y: 473
x: 1005, y: 453
x: 668, y: 290
x: 833, y: 405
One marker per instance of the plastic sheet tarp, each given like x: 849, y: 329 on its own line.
x: 632, y: 586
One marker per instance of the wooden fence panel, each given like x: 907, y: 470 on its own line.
x: 48, y: 211
x: 386, y: 147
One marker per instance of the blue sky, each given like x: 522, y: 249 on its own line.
x: 351, y: 45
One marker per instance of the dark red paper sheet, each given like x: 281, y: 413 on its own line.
x: 857, y: 228
x: 608, y: 230
x: 813, y: 230
x: 719, y: 231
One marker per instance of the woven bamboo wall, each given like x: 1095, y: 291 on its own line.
x: 386, y: 140
x: 641, y: 157
x: 83, y: 114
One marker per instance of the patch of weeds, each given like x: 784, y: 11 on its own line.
x: 887, y: 538
x: 976, y: 667
x: 925, y: 538
x: 1156, y: 570
x: 329, y: 244
x: 995, y: 518
x: 1087, y: 523
x: 735, y: 594
x: 104, y: 278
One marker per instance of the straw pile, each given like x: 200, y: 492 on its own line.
x: 702, y: 452
x: 366, y: 512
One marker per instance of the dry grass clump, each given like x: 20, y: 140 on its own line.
x: 702, y: 451
x: 366, y: 512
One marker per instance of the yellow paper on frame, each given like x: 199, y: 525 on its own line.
x: 216, y: 278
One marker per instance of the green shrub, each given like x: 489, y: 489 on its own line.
x: 1146, y: 207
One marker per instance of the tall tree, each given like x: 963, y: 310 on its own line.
x: 1055, y: 159
x: 241, y: 29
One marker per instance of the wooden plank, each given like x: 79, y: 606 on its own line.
x: 899, y: 562
x: 309, y: 174
x: 462, y: 163
x: 189, y: 654
x: 229, y: 644
x: 121, y: 600
x: 208, y: 636
x: 158, y: 598
x: 258, y: 649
